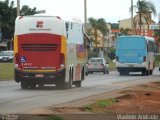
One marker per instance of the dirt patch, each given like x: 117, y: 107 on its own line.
x: 137, y: 102
x: 141, y: 99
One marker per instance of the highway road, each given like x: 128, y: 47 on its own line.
x: 15, y: 100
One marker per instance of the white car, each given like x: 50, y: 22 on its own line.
x: 97, y: 65
x: 6, y: 56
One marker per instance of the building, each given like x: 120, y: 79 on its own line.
x: 139, y: 29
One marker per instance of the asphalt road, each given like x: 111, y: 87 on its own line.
x: 15, y: 100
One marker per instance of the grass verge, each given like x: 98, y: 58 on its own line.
x: 99, y: 104
x: 54, y: 117
x: 6, y: 71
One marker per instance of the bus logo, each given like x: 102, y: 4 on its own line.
x: 39, y: 24
x: 23, y: 59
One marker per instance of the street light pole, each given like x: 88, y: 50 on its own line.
x: 140, y: 16
x: 18, y: 7
x: 85, y: 12
x: 132, y: 15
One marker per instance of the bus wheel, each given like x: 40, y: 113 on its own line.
x: 147, y: 72
x: 70, y: 81
x: 32, y: 85
x: 83, y: 75
x: 87, y: 73
x: 143, y: 73
x: 120, y: 73
x: 78, y: 83
x: 24, y: 85
x: 151, y: 72
x: 41, y: 84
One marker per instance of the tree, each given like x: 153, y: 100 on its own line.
x: 157, y: 36
x: 26, y: 10
x: 98, y: 24
x: 125, y: 31
x: 7, y: 18
x: 8, y: 14
x: 145, y: 8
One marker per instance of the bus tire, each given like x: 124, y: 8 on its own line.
x: 16, y: 76
x: 87, y: 73
x: 147, y: 72
x: 70, y: 79
x: 143, y: 73
x: 32, y: 85
x: 24, y: 85
x: 78, y: 83
x: 41, y: 85
x: 120, y: 73
x: 83, y: 74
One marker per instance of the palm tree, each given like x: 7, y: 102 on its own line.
x: 7, y: 18
x: 125, y: 31
x: 98, y: 24
x: 145, y: 8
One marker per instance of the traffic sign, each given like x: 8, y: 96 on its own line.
x: 154, y: 27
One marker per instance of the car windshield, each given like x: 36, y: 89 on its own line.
x: 3, y: 53
x: 96, y: 60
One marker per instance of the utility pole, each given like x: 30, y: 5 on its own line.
x: 159, y: 26
x: 18, y: 7
x: 140, y: 16
x: 85, y: 12
x: 132, y: 15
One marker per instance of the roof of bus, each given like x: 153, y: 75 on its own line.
x: 65, y: 18
x: 39, y: 24
x: 139, y: 36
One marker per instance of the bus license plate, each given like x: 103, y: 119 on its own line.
x: 130, y: 66
x: 39, y: 75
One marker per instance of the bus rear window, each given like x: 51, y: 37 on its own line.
x: 131, y: 43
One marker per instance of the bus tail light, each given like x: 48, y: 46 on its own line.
x: 144, y: 59
x: 62, y: 61
x: 117, y: 58
x: 16, y: 60
x: 58, y: 17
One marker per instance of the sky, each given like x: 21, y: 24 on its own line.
x: 111, y: 10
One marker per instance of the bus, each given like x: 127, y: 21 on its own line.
x: 135, y: 53
x: 49, y: 50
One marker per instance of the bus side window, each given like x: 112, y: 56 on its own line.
x: 71, y: 25
x: 147, y: 43
x: 67, y: 28
x: 67, y: 24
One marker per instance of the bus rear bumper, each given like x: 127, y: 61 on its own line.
x: 39, y: 77
x: 131, y: 67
